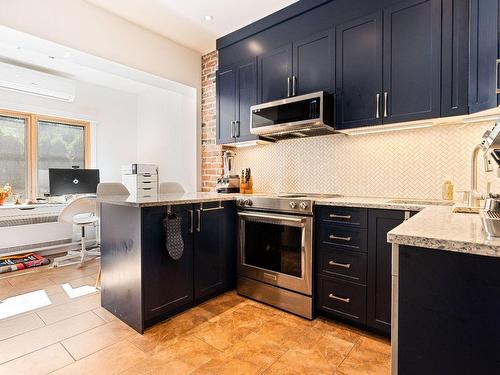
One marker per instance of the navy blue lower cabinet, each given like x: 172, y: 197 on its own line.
x: 412, y: 61
x: 214, y: 248
x: 380, y: 222
x: 142, y: 284
x: 167, y: 283
x: 359, y: 72
x: 354, y: 264
x: 448, y: 313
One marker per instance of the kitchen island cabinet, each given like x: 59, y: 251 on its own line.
x: 141, y: 283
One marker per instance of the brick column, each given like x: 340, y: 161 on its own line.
x: 211, y: 154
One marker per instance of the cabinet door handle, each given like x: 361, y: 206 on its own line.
x: 333, y: 296
x: 343, y: 265
x: 377, y: 114
x: 288, y: 86
x: 232, y: 129
x: 191, y: 219
x: 333, y: 237
x: 198, y: 226
x: 335, y: 216
x: 386, y: 96
x: 294, y: 85
x: 496, y: 82
x: 236, y: 129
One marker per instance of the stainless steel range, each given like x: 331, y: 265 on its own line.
x: 275, y: 243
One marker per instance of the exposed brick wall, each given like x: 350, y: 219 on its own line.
x: 211, y: 154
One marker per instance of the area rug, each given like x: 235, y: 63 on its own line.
x: 21, y: 262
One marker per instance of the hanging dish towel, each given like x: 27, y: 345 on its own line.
x: 173, y: 236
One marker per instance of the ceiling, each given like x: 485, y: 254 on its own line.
x: 184, y: 21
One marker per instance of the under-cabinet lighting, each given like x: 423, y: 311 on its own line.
x: 248, y: 144
x: 387, y: 129
x: 471, y: 120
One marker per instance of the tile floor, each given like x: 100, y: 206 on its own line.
x: 227, y: 335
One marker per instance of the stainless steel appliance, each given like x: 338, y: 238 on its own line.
x: 490, y: 215
x: 295, y: 117
x: 229, y: 182
x: 275, y: 259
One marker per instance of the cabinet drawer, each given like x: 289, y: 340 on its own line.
x: 342, y: 298
x: 351, y: 216
x: 342, y: 237
x: 350, y: 265
x: 147, y: 178
x: 147, y: 192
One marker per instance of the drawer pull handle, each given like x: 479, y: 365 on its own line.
x: 335, y: 216
x: 333, y: 296
x: 344, y: 265
x: 346, y: 239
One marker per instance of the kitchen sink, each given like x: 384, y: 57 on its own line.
x: 424, y: 202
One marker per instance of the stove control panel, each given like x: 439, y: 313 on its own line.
x: 244, y: 202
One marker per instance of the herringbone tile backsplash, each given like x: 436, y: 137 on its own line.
x: 407, y: 163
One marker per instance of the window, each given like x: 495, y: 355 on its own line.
x: 31, y: 144
x: 13, y: 152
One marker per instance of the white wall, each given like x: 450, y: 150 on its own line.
x: 113, y: 115
x: 166, y: 133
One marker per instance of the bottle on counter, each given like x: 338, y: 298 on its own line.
x: 447, y: 189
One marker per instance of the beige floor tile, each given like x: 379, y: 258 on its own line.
x: 112, y: 360
x: 171, y: 328
x: 104, y: 314
x: 152, y: 366
x: 223, y: 303
x: 75, y: 307
x: 36, y: 339
x: 222, y: 333
x: 40, y: 362
x: 231, y: 367
x: 16, y: 325
x: 89, y: 342
x: 189, y: 349
x: 256, y: 349
x: 369, y: 356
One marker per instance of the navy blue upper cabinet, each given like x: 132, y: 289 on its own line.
x: 236, y: 93
x: 246, y: 97
x: 226, y: 104
x: 483, y: 55
x: 412, y: 61
x: 359, y: 72
x: 313, y: 64
x: 455, y: 58
x: 275, y: 74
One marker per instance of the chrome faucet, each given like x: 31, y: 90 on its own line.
x: 474, y: 196
x: 491, y: 141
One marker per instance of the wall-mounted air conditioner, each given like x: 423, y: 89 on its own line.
x: 32, y: 82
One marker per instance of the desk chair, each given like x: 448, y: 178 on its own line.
x: 171, y: 188
x: 81, y: 212
x: 109, y: 189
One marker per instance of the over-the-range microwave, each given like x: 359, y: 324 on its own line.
x: 295, y: 117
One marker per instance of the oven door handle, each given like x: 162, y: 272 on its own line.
x: 273, y: 217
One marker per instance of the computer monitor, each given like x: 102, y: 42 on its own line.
x: 73, y: 181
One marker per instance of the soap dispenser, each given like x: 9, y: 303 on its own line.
x: 447, y: 189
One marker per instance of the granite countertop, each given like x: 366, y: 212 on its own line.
x: 382, y: 203
x: 438, y: 227
x: 165, y: 199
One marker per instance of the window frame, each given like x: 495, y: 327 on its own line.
x: 31, y: 120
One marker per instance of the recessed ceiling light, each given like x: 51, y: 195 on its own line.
x: 209, y: 18
x: 67, y: 55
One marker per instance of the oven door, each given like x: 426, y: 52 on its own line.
x: 276, y: 249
